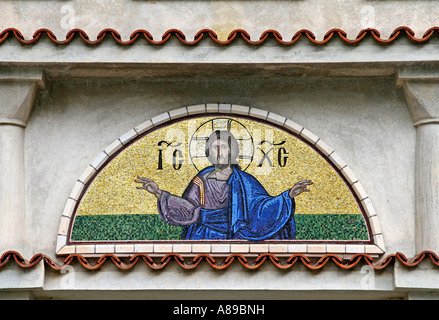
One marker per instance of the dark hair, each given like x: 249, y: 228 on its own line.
x: 226, y: 136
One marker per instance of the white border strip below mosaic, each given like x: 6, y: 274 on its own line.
x: 311, y: 248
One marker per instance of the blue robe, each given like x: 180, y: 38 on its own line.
x: 252, y: 214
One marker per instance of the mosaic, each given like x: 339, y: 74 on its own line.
x: 218, y: 178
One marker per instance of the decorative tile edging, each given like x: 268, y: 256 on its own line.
x: 141, y: 34
x: 158, y: 248
x: 189, y: 263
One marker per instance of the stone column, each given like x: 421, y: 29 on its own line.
x: 18, y: 88
x: 421, y: 90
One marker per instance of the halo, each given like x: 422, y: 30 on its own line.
x: 237, y: 129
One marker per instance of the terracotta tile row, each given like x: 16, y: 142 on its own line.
x: 127, y: 263
x: 207, y: 33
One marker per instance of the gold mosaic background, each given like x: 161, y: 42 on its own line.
x: 113, y: 191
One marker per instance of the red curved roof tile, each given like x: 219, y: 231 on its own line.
x: 207, y: 33
x: 192, y: 263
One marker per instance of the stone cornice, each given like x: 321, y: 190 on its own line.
x: 18, y: 87
x: 420, y: 85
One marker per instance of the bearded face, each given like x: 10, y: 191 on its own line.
x: 222, y: 149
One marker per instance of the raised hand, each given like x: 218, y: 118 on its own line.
x: 299, y: 187
x: 149, y: 185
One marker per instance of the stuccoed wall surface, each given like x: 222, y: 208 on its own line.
x: 365, y: 120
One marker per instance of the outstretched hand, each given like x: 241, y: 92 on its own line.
x: 149, y: 185
x: 299, y: 187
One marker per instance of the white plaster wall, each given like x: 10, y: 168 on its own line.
x: 267, y: 282
x: 365, y: 120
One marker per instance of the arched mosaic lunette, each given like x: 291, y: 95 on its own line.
x: 375, y: 247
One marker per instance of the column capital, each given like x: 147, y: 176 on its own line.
x: 23, y: 74
x: 18, y: 89
x: 417, y: 73
x: 421, y: 90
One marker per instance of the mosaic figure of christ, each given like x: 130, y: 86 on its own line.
x: 222, y: 202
